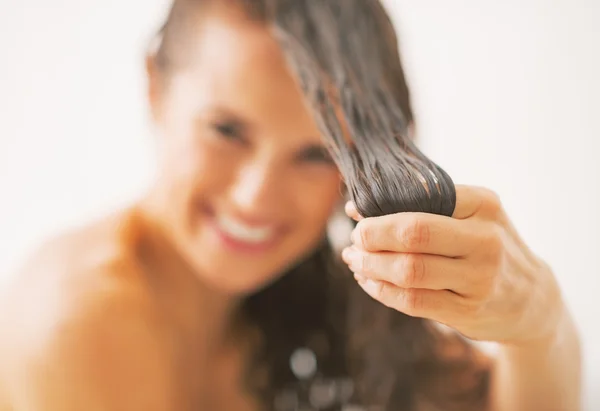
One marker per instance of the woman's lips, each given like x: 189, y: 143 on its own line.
x: 237, y: 235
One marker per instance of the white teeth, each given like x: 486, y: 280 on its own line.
x: 242, y: 232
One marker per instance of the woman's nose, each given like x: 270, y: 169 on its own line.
x: 256, y: 190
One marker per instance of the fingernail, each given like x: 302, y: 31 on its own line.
x: 360, y: 278
x: 349, y: 208
x: 371, y: 287
x: 354, y: 237
x: 350, y: 256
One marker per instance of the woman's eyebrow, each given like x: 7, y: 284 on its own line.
x: 223, y: 112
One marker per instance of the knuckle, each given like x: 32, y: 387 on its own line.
x: 491, y: 204
x: 413, y: 272
x: 365, y: 263
x: 384, y: 295
x: 411, y: 301
x: 365, y: 233
x: 415, y: 234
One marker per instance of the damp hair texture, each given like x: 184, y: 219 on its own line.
x: 345, y: 57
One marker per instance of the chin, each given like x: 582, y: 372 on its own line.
x: 243, y: 274
x: 239, y: 280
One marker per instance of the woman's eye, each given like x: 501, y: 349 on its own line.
x: 230, y: 131
x: 317, y: 155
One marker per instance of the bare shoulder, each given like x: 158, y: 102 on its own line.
x: 79, y: 321
x: 73, y: 271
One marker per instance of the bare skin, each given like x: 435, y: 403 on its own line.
x: 136, y: 312
x: 97, y: 327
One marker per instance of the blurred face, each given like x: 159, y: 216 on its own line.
x: 246, y: 185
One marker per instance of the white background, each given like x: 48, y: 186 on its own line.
x: 507, y: 95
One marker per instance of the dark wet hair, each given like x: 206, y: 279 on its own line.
x: 345, y: 56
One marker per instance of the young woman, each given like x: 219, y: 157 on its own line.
x: 219, y: 289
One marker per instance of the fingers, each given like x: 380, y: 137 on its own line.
x: 409, y: 270
x: 417, y: 233
x: 431, y: 266
x: 424, y: 303
x: 352, y: 212
x: 454, y: 236
x: 472, y: 200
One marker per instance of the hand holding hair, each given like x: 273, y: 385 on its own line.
x: 470, y: 271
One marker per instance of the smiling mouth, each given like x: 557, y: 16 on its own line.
x: 239, y: 231
x: 237, y: 235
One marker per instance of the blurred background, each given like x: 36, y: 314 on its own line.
x: 507, y: 95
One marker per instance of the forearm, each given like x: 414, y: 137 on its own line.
x: 544, y: 375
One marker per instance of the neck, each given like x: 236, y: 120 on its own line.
x: 201, y: 311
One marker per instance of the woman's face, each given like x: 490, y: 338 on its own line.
x: 246, y: 182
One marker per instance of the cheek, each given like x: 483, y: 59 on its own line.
x: 194, y: 168
x: 317, y: 199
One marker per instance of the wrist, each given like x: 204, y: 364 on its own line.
x: 562, y: 327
